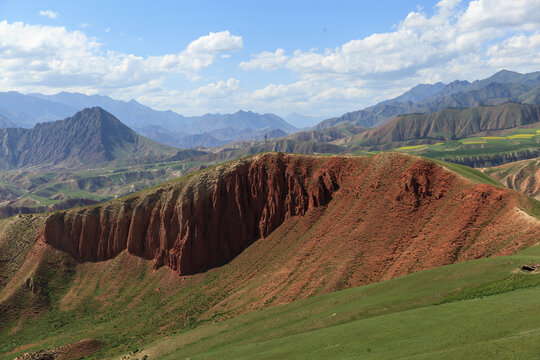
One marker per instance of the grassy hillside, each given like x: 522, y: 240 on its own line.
x: 449, y: 124
x: 479, y: 309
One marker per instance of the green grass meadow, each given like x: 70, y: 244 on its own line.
x: 481, y: 309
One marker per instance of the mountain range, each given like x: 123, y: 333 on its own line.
x: 163, y: 126
x: 449, y: 124
x: 504, y: 86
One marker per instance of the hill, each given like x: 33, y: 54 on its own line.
x: 452, y: 312
x: 480, y: 151
x: 246, y: 235
x: 90, y: 137
x: 450, y: 124
x: 523, y: 176
x: 504, y: 86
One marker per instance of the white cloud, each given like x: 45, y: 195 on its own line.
x: 459, y: 40
x: 266, y: 60
x: 216, y: 96
x: 51, y: 58
x: 420, y: 43
x: 214, y: 43
x: 48, y: 13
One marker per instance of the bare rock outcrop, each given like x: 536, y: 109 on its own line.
x: 199, y: 222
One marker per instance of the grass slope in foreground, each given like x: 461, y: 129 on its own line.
x: 478, y: 309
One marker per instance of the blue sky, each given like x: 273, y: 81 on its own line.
x: 318, y: 58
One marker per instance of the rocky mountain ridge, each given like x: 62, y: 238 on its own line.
x: 90, y: 137
x: 504, y: 86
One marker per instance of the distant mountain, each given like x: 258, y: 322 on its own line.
x: 131, y: 113
x: 506, y: 76
x: 492, y: 94
x: 205, y: 140
x: 373, y: 115
x: 327, y: 135
x: 166, y: 127
x: 450, y: 124
x: 504, y: 86
x: 26, y: 111
x: 418, y: 93
x: 169, y: 127
x: 5, y: 122
x: 91, y: 136
x: 239, y: 120
x: 272, y: 134
x: 530, y: 97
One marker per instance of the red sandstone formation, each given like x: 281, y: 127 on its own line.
x: 199, y: 224
x: 207, y: 218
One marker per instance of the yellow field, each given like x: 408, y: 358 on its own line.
x: 411, y: 147
x: 521, y: 136
x: 473, y: 142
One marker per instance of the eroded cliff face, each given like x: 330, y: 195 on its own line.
x: 397, y: 212
x: 199, y: 222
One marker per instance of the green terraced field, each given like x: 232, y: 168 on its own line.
x: 518, y: 139
x: 34, y: 189
x: 484, y: 150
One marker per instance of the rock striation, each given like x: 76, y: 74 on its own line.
x: 198, y: 222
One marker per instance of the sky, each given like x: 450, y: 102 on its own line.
x: 318, y: 58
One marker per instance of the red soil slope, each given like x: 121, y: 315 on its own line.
x: 365, y: 218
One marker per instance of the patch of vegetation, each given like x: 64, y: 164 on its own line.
x: 449, y: 312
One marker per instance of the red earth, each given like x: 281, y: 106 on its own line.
x: 378, y: 217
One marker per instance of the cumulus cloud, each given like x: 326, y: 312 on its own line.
x: 48, y: 13
x: 51, y: 58
x: 213, y: 97
x: 266, y: 60
x: 214, y: 43
x: 459, y: 41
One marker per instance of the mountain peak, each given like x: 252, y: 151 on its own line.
x: 91, y: 136
x: 506, y: 72
x: 96, y: 115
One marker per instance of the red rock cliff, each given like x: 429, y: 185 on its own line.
x: 199, y: 222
